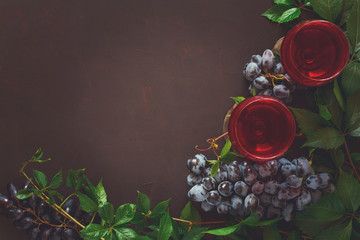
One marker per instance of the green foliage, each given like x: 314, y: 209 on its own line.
x: 37, y: 157
x: 75, y: 179
x: 190, y: 213
x: 165, y: 228
x: 353, y: 27
x: 56, y: 180
x: 327, y: 9
x: 87, y: 204
x: 348, y: 190
x: 271, y: 233
x: 106, y: 212
x: 40, y: 178
x: 282, y: 13
x: 215, y: 168
x: 160, y: 209
x: 143, y: 203
x: 325, y: 138
x: 338, y: 232
x: 94, y: 231
x: 350, y: 78
x: 238, y: 99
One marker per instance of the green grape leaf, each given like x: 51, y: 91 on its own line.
x: 325, y: 138
x: 324, y: 112
x: 327, y: 9
x: 93, y: 231
x: 338, y: 157
x: 143, y: 203
x: 214, y: 168
x: 56, y: 180
x: 40, y: 178
x: 224, y: 231
x: 195, y: 234
x: 160, y: 209
x: 338, y: 94
x: 101, y: 193
x: 345, y: 11
x: 51, y: 198
x: 353, y: 27
x: 225, y: 150
x: 338, y: 232
x: 25, y: 193
x: 348, y: 190
x: 56, y: 193
x: 328, y: 208
x: 189, y: 213
x: 289, y: 15
x: 276, y: 12
x: 111, y: 235
x: 350, y: 76
x: 165, y: 228
x: 353, y: 115
x: 294, y: 235
x: 310, y: 225
x: 125, y: 233
x: 238, y: 99
x: 75, y: 179
x: 37, y: 157
x: 308, y: 121
x: 271, y: 232
x: 125, y: 213
x: 106, y: 212
x: 91, y: 190
x: 87, y: 204
x: 286, y: 2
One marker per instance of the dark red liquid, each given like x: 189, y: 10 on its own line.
x: 261, y: 128
x: 315, y: 52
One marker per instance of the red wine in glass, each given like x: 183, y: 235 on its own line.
x: 261, y: 128
x: 314, y: 52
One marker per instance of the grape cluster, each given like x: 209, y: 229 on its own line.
x: 270, y: 190
x: 38, y: 219
x: 268, y: 77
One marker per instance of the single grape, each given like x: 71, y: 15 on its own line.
x: 273, y: 212
x: 288, y: 169
x: 241, y: 188
x: 225, y: 188
x: 197, y: 193
x: 266, y: 92
x: 5, y: 203
x: 206, y: 207
x: 260, y: 82
x: 70, y: 206
x: 197, y: 163
x: 313, y: 181
x: 34, y: 234
x: 329, y: 189
x: 209, y: 183
x: 15, y: 214
x: 221, y: 175
x: 236, y: 202
x: 251, y: 71
x: 251, y: 201
x: 259, y: 211
x: 325, y: 179
x: 283, y: 161
x: 69, y: 234
x: 289, y: 212
x: 263, y: 170
x: 258, y: 187
x: 268, y: 59
x: 315, y: 195
x: 281, y: 91
x: 224, y: 207
x: 207, y: 172
x: 303, y: 167
x: 243, y: 165
x: 24, y: 223
x: 272, y: 187
x: 56, y: 234
x: 303, y: 200
x: 294, y: 192
x: 256, y: 59
x: 265, y: 199
x: 279, y: 69
x: 233, y: 172
x: 42, y: 207
x: 250, y: 176
x: 283, y: 194
x: 193, y: 179
x: 12, y: 191
x: 276, y: 202
x: 213, y: 197
x: 293, y: 181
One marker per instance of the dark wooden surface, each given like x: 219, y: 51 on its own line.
x: 125, y: 89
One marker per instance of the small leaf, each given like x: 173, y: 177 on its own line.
x: 37, y: 157
x: 87, y: 204
x: 91, y: 190
x: 125, y: 233
x: 286, y: 2
x: 101, y: 193
x: 125, y: 213
x: 189, y: 213
x: 226, y: 148
x: 224, y: 231
x: 276, y: 12
x: 348, y: 190
x: 238, y: 99
x: 338, y: 94
x: 93, y: 231
x: 338, y: 157
x: 106, y: 212
x: 214, y: 168
x: 325, y: 138
x: 165, y: 228
x: 353, y: 27
x: 324, y: 112
x: 75, y: 179
x: 328, y: 208
x: 308, y: 121
x: 289, y: 15
x: 271, y: 232
x: 350, y: 78
x: 143, y: 203
x: 51, y: 198
x: 56, y: 180
x: 56, y: 193
x: 265, y: 222
x: 327, y: 9
x: 40, y: 178
x: 160, y: 209
x: 338, y: 232
x: 194, y: 234
x: 25, y: 193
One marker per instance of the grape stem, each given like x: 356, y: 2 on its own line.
x: 197, y: 223
x: 73, y: 194
x: 350, y: 159
x: 213, y: 145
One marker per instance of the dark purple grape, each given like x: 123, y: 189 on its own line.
x: 288, y: 169
x: 283, y: 194
x: 221, y: 175
x: 256, y: 59
x: 289, y: 212
x: 268, y: 59
x: 276, y: 202
x: 273, y: 212
x: 325, y: 179
x: 225, y: 188
x: 34, y: 234
x: 259, y: 211
x: 251, y: 71
x: 236, y: 202
x: 279, y: 69
x: 197, y: 163
x: 206, y: 207
x: 15, y: 214
x: 69, y: 206
x: 329, y: 189
x: 251, y: 201
x: 207, y: 172
x: 209, y: 183
x: 272, y: 187
x: 303, y: 167
x: 293, y: 181
x: 241, y: 188
x: 313, y: 181
x: 281, y: 91
x: 224, y: 207
x: 303, y: 200
x: 213, y: 198
x: 12, y: 191
x: 233, y: 172
x: 260, y: 82
x: 243, y: 165
x: 294, y: 192
x: 197, y: 193
x: 45, y: 233
x: 250, y: 176
x: 5, y: 203
x: 283, y: 161
x: 56, y: 234
x: 69, y: 234
x: 193, y: 179
x: 258, y: 187
x: 265, y: 199
x: 24, y: 224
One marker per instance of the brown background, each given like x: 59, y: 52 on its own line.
x: 125, y: 89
